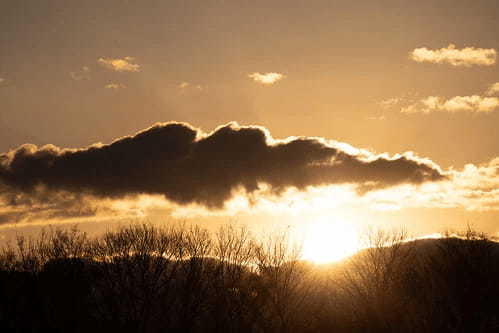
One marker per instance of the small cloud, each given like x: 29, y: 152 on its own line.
x: 412, y: 108
x: 114, y: 86
x: 82, y: 74
x: 390, y: 102
x: 186, y: 86
x: 381, y: 117
x: 399, y: 101
x: 474, y: 103
x: 5, y: 82
x: 120, y: 65
x: 465, y: 57
x: 267, y: 78
x: 493, y: 89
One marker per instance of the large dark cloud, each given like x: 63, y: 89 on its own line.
x: 186, y: 166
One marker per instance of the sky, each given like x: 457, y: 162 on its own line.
x: 260, y: 112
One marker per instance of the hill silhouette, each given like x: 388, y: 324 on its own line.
x: 148, y: 279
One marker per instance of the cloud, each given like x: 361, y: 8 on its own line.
x: 474, y: 188
x: 184, y: 86
x: 266, y: 78
x: 180, y: 170
x: 493, y: 89
x: 120, y: 65
x: 474, y: 103
x: 46, y: 206
x: 380, y: 117
x: 186, y: 166
x: 82, y: 74
x: 17, y: 206
x: 390, y: 102
x: 114, y: 86
x: 465, y: 57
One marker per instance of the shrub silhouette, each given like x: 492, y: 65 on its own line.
x: 143, y: 278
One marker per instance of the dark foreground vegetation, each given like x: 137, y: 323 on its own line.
x: 148, y: 279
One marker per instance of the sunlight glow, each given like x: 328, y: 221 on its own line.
x: 328, y: 241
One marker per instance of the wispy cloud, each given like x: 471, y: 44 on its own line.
x: 474, y: 103
x: 185, y: 89
x: 266, y: 78
x: 120, y: 65
x: 4, y: 82
x: 493, y: 89
x: 381, y: 117
x: 390, y: 102
x: 114, y: 86
x: 82, y: 74
x: 187, y: 85
x: 465, y: 57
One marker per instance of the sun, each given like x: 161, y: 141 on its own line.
x: 328, y: 241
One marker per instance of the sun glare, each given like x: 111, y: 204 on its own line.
x: 328, y: 241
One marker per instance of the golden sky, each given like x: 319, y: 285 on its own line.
x: 402, y: 97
